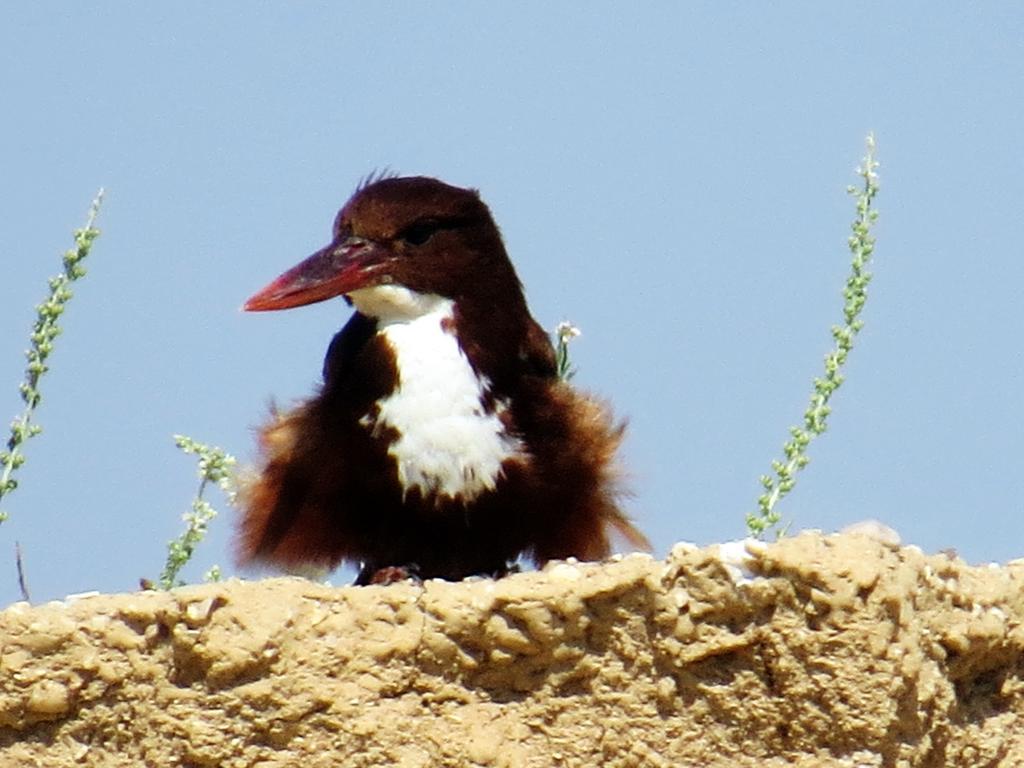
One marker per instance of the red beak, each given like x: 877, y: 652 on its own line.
x: 333, y: 271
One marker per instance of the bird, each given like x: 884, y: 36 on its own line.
x: 442, y: 442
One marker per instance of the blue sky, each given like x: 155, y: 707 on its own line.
x: 671, y: 179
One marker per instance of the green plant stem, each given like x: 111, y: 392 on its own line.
x: 215, y: 466
x: 861, y: 244
x: 44, y: 332
x: 565, y: 332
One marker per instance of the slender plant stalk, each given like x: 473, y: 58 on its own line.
x: 22, y: 581
x: 565, y: 332
x: 45, y: 331
x: 215, y: 467
x: 861, y: 244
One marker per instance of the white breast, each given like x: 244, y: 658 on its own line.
x: 448, y: 444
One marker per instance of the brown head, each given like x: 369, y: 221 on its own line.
x: 415, y: 232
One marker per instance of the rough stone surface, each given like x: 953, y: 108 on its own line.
x: 836, y: 650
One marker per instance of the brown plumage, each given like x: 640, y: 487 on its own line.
x: 442, y: 441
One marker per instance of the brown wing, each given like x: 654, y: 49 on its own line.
x: 293, y: 506
x: 575, y: 477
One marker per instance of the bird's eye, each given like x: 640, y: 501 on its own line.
x: 419, y: 232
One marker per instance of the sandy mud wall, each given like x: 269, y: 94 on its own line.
x: 815, y: 651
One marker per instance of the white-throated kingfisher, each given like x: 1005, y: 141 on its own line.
x: 442, y: 442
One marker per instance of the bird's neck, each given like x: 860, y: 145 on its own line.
x: 396, y: 304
